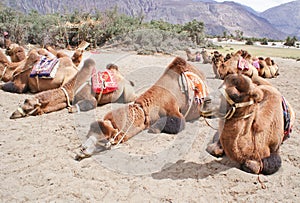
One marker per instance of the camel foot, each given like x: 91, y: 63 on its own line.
x: 271, y: 164
x: 251, y: 166
x: 215, y: 149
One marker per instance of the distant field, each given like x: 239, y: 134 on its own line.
x: 264, y: 51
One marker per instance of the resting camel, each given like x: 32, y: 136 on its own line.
x: 76, y: 57
x: 268, y: 68
x: 21, y: 82
x: 76, y: 91
x: 206, y: 57
x: 196, y: 57
x: 239, y: 62
x: 17, y: 53
x: 7, y: 68
x: 164, y: 107
x: 252, y: 126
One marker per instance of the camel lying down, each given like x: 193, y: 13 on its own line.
x: 164, y: 107
x: 252, y: 127
x: 78, y: 92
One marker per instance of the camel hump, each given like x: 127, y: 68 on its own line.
x: 178, y: 65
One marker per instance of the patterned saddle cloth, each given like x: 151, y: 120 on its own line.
x: 45, y: 68
x: 198, y: 85
x: 103, y: 82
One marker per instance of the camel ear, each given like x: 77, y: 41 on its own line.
x: 257, y: 94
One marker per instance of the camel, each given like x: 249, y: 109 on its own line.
x: 7, y: 68
x: 196, y: 57
x: 239, y: 62
x: 252, y: 126
x: 206, y: 57
x: 77, y: 92
x: 17, y: 53
x: 76, y: 57
x: 22, y: 82
x: 268, y: 68
x: 164, y: 107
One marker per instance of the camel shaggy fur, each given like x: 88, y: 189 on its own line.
x: 22, y: 82
x: 252, y: 126
x: 77, y: 92
x: 163, y: 107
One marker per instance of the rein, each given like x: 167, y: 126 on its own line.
x: 234, y: 105
x: 112, y: 140
x: 21, y: 111
x: 67, y: 96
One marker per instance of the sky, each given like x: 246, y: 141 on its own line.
x: 260, y: 5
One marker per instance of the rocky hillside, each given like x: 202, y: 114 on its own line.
x: 285, y: 17
x: 218, y: 17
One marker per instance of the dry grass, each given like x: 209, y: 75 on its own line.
x: 264, y: 51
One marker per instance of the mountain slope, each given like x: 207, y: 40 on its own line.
x: 285, y: 17
x: 218, y: 17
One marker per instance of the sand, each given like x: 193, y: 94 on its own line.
x: 37, y: 152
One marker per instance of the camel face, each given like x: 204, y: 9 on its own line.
x: 29, y: 107
x: 234, y: 90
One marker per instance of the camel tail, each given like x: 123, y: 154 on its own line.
x: 271, y: 164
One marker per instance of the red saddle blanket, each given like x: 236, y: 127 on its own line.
x: 45, y: 68
x: 198, y: 85
x: 104, y: 82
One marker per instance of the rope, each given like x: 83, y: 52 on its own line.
x: 67, y: 96
x: 124, y: 133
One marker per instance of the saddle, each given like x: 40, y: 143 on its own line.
x: 45, y: 68
x: 103, y: 82
x: 197, y: 85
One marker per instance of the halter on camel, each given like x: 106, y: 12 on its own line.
x: 233, y: 107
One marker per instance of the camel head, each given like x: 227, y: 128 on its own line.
x: 237, y: 92
x: 30, y: 107
x: 16, y: 53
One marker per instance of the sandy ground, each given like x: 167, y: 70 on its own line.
x: 37, y: 153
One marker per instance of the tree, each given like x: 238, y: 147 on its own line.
x: 290, y: 41
x: 196, y: 30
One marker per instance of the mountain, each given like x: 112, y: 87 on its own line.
x: 218, y: 17
x: 285, y: 18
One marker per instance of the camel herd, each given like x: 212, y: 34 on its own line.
x: 251, y: 129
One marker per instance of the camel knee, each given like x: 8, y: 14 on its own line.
x: 271, y: 164
x: 168, y: 124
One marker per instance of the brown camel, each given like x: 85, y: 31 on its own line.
x: 76, y: 57
x: 7, y: 68
x: 22, y: 82
x: 193, y: 57
x: 239, y: 62
x: 268, y: 68
x: 206, y: 57
x: 164, y: 107
x: 255, y: 120
x: 76, y: 91
x: 17, y: 53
